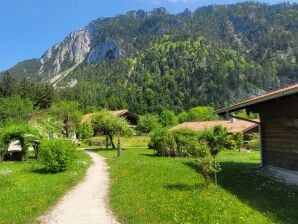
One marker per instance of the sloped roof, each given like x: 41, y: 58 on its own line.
x: 15, y: 146
x: 87, y: 117
x: 232, y: 127
x: 259, y: 99
x: 119, y: 112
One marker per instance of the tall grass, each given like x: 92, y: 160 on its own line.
x: 27, y: 191
x: 150, y: 189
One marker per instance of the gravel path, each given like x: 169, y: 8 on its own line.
x: 87, y: 202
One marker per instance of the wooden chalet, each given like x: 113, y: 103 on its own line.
x: 278, y: 111
x: 132, y: 118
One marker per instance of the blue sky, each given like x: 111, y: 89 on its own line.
x: 29, y: 27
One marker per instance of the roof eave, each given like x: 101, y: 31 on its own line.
x: 251, y: 102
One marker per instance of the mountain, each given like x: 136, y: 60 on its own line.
x: 215, y: 55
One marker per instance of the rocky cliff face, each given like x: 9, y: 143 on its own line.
x: 71, y: 51
x: 79, y: 46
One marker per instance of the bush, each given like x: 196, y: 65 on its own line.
x: 202, y: 113
x: 206, y: 162
x: 19, y: 132
x: 254, y: 143
x: 148, y: 123
x: 163, y: 142
x: 216, y: 139
x: 185, y: 139
x: 168, y: 118
x: 85, y: 130
x: 173, y: 143
x: 56, y: 155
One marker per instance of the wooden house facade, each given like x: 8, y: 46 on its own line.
x: 278, y: 111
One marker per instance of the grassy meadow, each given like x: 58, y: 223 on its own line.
x: 126, y: 142
x: 150, y: 189
x: 27, y: 191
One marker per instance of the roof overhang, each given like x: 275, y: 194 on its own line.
x: 290, y: 90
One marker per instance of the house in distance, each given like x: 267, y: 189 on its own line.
x: 232, y: 126
x: 131, y: 118
x: 278, y: 111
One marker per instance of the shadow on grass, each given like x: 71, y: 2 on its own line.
x: 185, y: 187
x: 100, y: 149
x: 259, y: 190
x: 149, y: 155
x: 40, y: 171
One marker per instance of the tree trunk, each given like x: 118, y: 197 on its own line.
x: 107, y: 142
x: 215, y: 174
x: 119, y: 146
x: 111, y: 139
x: 65, y: 124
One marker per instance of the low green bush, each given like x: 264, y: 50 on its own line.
x: 56, y: 155
x: 254, y: 143
x: 22, y: 132
x: 185, y: 140
x: 85, y: 130
x: 163, y: 142
x: 173, y: 143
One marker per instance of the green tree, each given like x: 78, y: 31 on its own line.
x: 148, y: 122
x: 44, y: 96
x: 111, y: 125
x: 183, y: 116
x: 206, y: 162
x: 202, y: 113
x: 216, y: 140
x: 49, y: 125
x: 168, y: 118
x: 7, y: 85
x: 15, y: 109
x: 68, y: 113
x: 85, y: 130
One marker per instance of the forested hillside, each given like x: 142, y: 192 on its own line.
x: 149, y: 61
x: 171, y: 74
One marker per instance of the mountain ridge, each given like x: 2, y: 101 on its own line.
x: 264, y: 36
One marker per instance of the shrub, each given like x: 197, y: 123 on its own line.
x: 234, y: 141
x: 85, y: 130
x: 216, y: 139
x: 19, y: 132
x: 168, y: 118
x: 56, y: 155
x: 254, y: 143
x: 206, y: 162
x: 202, y: 113
x: 163, y: 142
x: 185, y: 138
x: 173, y: 143
x: 148, y: 123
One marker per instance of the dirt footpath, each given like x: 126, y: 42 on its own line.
x: 87, y: 202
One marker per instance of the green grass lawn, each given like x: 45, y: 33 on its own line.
x: 150, y: 189
x: 127, y: 142
x: 26, y: 191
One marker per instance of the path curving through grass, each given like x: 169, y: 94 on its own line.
x: 87, y: 202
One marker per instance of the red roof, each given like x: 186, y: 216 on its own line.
x: 259, y: 99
